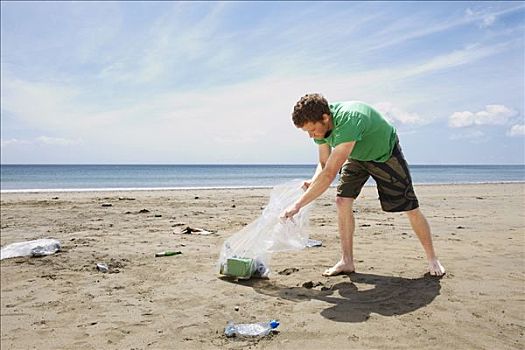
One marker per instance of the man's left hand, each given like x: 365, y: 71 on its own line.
x: 290, y: 211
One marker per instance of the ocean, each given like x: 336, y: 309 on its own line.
x: 43, y: 178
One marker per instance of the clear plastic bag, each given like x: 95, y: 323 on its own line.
x: 247, y: 253
x: 39, y: 247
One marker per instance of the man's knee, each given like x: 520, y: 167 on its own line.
x: 413, y: 213
x: 344, y: 202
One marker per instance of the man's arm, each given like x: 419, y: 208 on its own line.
x: 323, y: 180
x: 324, y: 153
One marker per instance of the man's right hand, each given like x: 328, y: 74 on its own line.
x: 289, y: 212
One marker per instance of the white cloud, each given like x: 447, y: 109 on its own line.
x: 248, y: 116
x: 81, y: 111
x: 41, y: 140
x: 461, y: 119
x: 398, y: 73
x: 486, y: 19
x: 170, y: 46
x: 39, y: 104
x: 57, y: 141
x: 14, y: 141
x: 491, y: 115
x: 472, y: 135
x: 176, y: 44
x: 468, y: 54
x: 397, y: 115
x: 56, y: 106
x: 407, y: 28
x: 517, y: 130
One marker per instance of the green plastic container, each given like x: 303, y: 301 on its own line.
x: 240, y: 267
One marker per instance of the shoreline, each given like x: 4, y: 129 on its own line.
x: 206, y: 188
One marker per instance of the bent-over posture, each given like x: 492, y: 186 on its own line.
x: 356, y: 141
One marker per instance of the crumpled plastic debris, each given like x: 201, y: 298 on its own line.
x: 248, y: 252
x: 195, y: 231
x: 35, y: 248
x: 314, y: 243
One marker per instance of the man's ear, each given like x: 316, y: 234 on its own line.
x: 326, y: 118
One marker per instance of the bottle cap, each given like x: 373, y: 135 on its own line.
x: 274, y: 324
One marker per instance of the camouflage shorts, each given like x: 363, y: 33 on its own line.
x: 392, y: 178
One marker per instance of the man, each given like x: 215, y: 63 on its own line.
x: 355, y: 140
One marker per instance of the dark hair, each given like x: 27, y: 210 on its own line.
x: 310, y: 108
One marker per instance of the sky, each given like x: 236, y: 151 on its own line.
x: 215, y: 82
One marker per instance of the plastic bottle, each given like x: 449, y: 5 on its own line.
x: 261, y: 270
x: 250, y: 329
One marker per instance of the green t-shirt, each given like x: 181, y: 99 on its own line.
x: 356, y: 121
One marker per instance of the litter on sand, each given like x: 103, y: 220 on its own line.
x: 250, y: 329
x: 102, y: 267
x: 195, y: 231
x: 247, y: 253
x: 35, y: 248
x: 168, y: 253
x: 313, y: 243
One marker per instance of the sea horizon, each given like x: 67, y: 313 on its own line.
x: 18, y: 178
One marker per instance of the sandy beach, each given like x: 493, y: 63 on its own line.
x: 180, y: 302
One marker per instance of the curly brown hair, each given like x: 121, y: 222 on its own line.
x: 310, y: 108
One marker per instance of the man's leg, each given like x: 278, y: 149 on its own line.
x: 396, y: 193
x: 346, y: 222
x: 422, y: 229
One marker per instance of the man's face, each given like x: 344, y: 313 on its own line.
x: 317, y: 130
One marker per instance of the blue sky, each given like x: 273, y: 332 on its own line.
x: 215, y: 82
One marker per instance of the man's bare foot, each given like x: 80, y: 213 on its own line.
x: 435, y: 268
x: 339, y: 268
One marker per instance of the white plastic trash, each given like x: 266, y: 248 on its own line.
x: 247, y: 253
x: 38, y: 247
